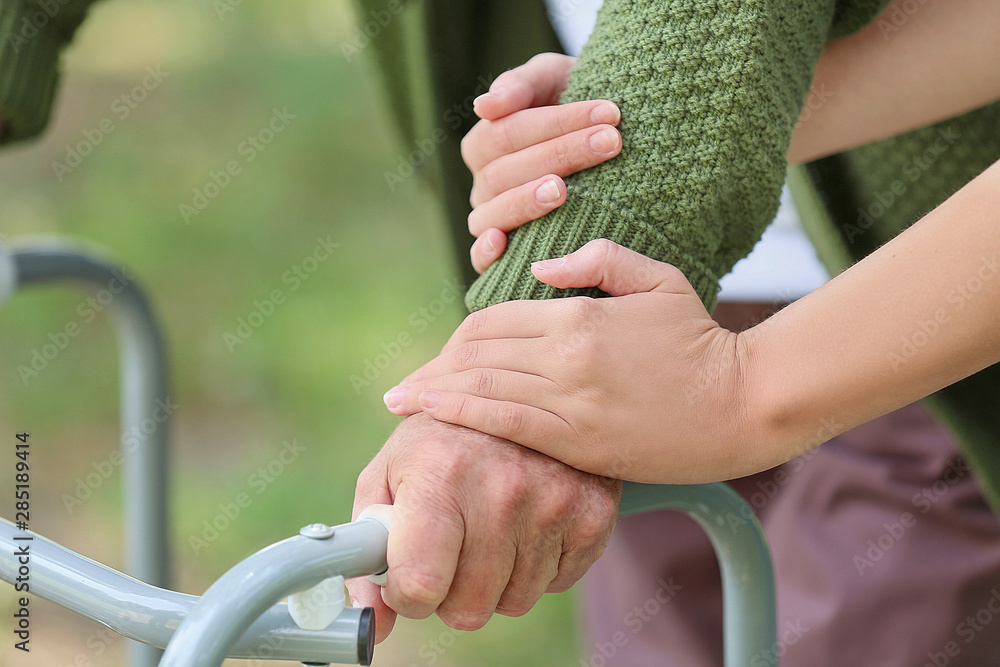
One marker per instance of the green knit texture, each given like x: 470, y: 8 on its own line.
x: 31, y: 36
x: 899, y: 180
x: 709, y: 95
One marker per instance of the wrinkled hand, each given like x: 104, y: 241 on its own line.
x: 524, y: 144
x: 644, y: 386
x: 480, y: 525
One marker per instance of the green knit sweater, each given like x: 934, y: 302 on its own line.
x: 709, y: 93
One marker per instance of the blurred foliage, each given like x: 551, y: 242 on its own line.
x: 320, y: 177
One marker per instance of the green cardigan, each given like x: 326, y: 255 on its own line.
x: 709, y: 93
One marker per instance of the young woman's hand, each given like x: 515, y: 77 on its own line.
x: 644, y: 386
x: 523, y: 146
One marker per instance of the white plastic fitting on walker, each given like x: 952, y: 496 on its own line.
x: 383, y: 515
x: 317, y: 607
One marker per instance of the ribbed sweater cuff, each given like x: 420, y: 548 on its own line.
x: 510, y: 276
x: 28, y: 68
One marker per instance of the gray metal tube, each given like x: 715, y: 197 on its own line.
x: 298, y: 563
x: 145, y: 403
x: 749, y: 616
x: 152, y: 615
x: 232, y: 603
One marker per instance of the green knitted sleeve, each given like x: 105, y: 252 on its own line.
x: 709, y: 94
x: 32, y: 32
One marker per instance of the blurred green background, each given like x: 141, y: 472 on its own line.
x: 322, y: 176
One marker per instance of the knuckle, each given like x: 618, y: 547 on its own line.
x: 488, y: 180
x: 462, y: 409
x: 366, y: 478
x: 467, y: 356
x: 580, y: 309
x: 420, y: 588
x: 571, y: 569
x: 475, y: 195
x: 565, y: 156
x: 509, y: 419
x: 467, y: 146
x: 480, y: 382
x: 451, y: 465
x: 507, y: 78
x: 509, y: 499
x: 521, y: 596
x: 549, y: 59
x: 476, y: 221
x: 593, y: 527
x: 474, y: 323
x: 443, y: 468
x: 603, y: 247
x: 465, y: 620
x: 514, y: 611
x: 553, y: 515
x: 562, y: 500
x: 560, y: 585
x: 503, y: 135
x: 539, y: 58
x: 565, y: 120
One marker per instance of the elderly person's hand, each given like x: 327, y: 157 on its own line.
x: 480, y: 525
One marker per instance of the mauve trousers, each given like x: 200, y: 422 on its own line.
x: 885, y: 554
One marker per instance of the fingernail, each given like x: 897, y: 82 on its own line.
x: 355, y: 603
x: 547, y: 264
x: 604, y: 141
x: 429, y: 399
x: 490, y: 93
x: 605, y: 113
x: 394, y: 397
x: 490, y: 245
x: 547, y: 192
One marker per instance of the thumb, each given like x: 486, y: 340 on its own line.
x: 611, y: 268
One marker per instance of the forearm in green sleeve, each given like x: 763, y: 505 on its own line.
x: 709, y: 94
x: 32, y: 33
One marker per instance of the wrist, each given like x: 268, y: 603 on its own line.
x: 774, y: 427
